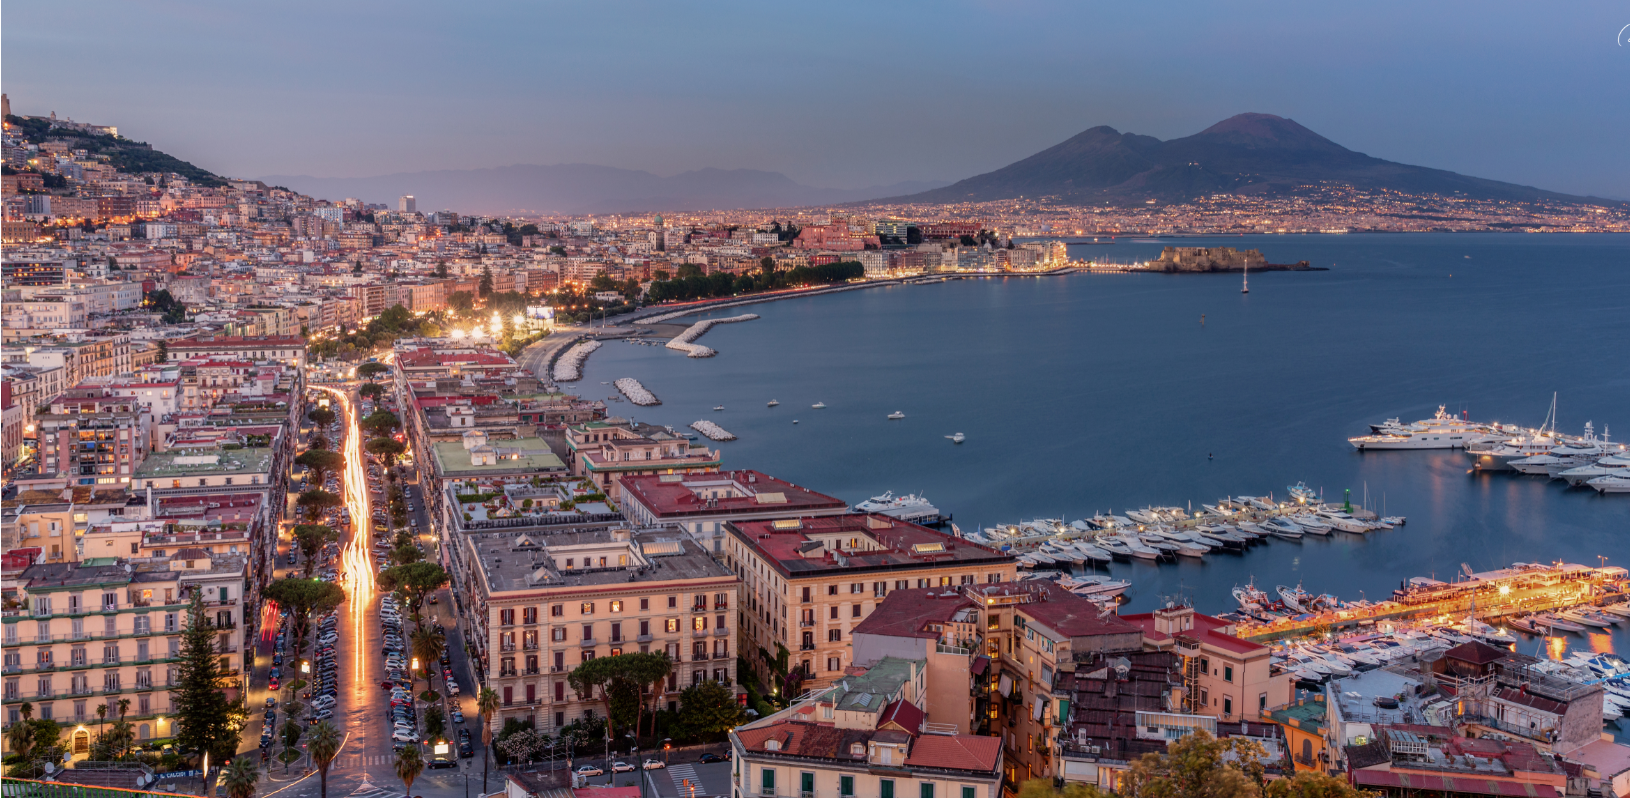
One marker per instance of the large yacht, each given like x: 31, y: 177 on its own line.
x: 1500, y: 456
x: 1441, y: 431
x: 1613, y: 464
x: 1570, y: 454
x: 906, y: 508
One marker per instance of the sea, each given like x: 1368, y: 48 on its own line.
x: 1103, y: 392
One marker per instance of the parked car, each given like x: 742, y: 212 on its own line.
x: 654, y: 764
x: 710, y: 758
x: 621, y: 767
x: 590, y: 770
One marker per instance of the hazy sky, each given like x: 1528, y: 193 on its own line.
x: 832, y: 93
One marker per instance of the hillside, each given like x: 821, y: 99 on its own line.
x: 584, y: 188
x: 1258, y: 154
x: 124, y: 154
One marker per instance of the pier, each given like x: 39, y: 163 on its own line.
x: 712, y: 431
x: 682, y: 342
x: 1487, y: 596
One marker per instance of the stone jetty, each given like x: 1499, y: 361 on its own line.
x: 569, y: 367
x: 682, y: 342
x: 712, y: 431
x: 636, y: 392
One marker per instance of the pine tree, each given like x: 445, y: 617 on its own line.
x: 485, y: 287
x: 205, y: 720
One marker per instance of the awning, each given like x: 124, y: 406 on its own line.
x: 979, y: 665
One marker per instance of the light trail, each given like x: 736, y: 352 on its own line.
x: 358, y: 563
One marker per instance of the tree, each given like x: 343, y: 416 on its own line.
x: 321, y: 463
x: 409, y: 764
x: 486, y: 705
x: 369, y: 371
x: 524, y: 745
x: 303, y: 598
x: 416, y: 580
x: 101, y: 715
x: 1193, y: 767
x: 387, y: 449
x: 485, y: 286
x: 1310, y: 784
x: 766, y: 264
x: 709, y: 709
x: 291, y: 738
x: 461, y: 302
x: 1043, y: 788
x: 689, y: 270
x: 402, y: 555
x: 324, y: 746
x: 205, y: 721
x: 312, y: 538
x: 650, y: 671
x: 241, y: 778
x: 316, y: 501
x: 428, y: 644
x: 441, y: 270
x: 372, y: 390
x: 20, y: 737
x: 382, y: 422
x: 321, y: 416
x: 435, y: 723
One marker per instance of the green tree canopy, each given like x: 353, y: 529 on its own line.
x: 709, y: 710
x: 304, y: 598
x: 321, y: 462
x: 461, y: 302
x: 368, y: 371
x: 382, y: 422
x: 315, y: 501
x: 485, y: 286
x: 372, y: 390
x: 311, y: 539
x: 387, y: 449
x: 1193, y: 767
x: 415, y: 580
x: 321, y: 416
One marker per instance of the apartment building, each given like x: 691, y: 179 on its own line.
x: 290, y: 350
x: 607, y: 451
x: 808, y: 582
x: 541, y: 606
x: 101, y: 630
x: 865, y: 736
x: 92, y: 437
x: 702, y: 503
x: 1224, y: 676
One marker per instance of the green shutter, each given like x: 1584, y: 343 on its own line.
x: 768, y: 782
x: 1063, y: 718
x: 846, y: 786
x: 927, y: 789
x: 967, y: 792
x: 807, y: 783
x: 885, y: 788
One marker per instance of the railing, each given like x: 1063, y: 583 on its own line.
x: 589, y: 642
x: 557, y: 668
x: 941, y: 648
x: 533, y: 671
x: 806, y: 647
x: 806, y: 623
x: 507, y: 672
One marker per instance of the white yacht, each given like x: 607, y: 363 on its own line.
x: 771, y: 403
x: 1342, y: 521
x: 896, y: 416
x: 1441, y: 431
x: 957, y: 438
x: 1564, y: 456
x: 910, y: 507
x: 1613, y: 483
x: 1499, y: 457
x: 1612, y: 464
x: 819, y: 405
x: 1302, y: 493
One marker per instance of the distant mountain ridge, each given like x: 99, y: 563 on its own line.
x: 585, y: 188
x: 1250, y: 153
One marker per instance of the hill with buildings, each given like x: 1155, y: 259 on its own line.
x: 107, y: 145
x: 1253, y: 154
x: 586, y: 188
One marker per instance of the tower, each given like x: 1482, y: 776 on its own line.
x: 407, y: 204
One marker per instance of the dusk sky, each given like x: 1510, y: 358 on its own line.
x: 831, y: 94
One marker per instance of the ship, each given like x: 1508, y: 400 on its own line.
x: 910, y: 507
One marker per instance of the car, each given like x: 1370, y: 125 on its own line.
x: 272, y: 685
x: 590, y: 770
x: 621, y: 767
x: 290, y: 559
x: 710, y: 758
x: 387, y: 684
x: 271, y: 717
x: 465, y: 749
x: 452, y: 687
x: 277, y: 658
x: 457, y: 715
x: 272, y: 701
x: 433, y: 600
x: 653, y: 764
x: 322, y: 715
x: 277, y: 672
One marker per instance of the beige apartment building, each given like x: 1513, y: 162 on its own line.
x: 541, y: 606
x: 95, y: 632
x: 808, y: 582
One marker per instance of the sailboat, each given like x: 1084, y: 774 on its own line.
x: 1245, y: 287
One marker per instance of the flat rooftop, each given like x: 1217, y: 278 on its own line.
x: 530, y: 562
x: 532, y: 455
x: 214, y: 461
x: 856, y: 541
x: 744, y: 492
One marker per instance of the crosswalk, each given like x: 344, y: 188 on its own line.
x: 367, y: 790
x: 679, y: 773
x: 346, y: 762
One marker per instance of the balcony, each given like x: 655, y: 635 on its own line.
x: 699, y: 658
x: 805, y: 624
x: 642, y: 639
x: 721, y: 607
x: 557, y: 668
x: 720, y: 631
x: 506, y: 647
x: 589, y: 642
x: 807, y: 647
x: 507, y: 672
x: 533, y: 671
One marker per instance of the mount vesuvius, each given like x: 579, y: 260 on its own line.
x: 1257, y: 154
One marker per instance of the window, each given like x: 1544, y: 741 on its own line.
x: 616, y: 633
x: 558, y: 634
x: 1228, y: 706
x: 831, y: 590
x: 616, y: 606
x: 529, y: 615
x: 673, y: 602
x: 767, y: 781
x: 557, y: 611
x: 968, y: 792
x: 587, y: 608
x: 1228, y: 673
x: 854, y: 611
x: 645, y: 628
x: 672, y: 624
x: 807, y: 595
x: 699, y: 623
x: 834, y: 613
x: 506, y: 617
x: 834, y: 635
x: 588, y: 631
x: 645, y: 604
x: 846, y: 786
x: 857, y: 587
x: 885, y: 787
x: 926, y: 790
x: 806, y: 784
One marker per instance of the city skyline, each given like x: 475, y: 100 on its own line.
x: 934, y: 97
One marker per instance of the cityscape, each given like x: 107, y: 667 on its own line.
x: 346, y: 495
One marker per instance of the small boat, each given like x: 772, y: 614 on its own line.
x: 772, y: 403
x: 1302, y: 493
x: 718, y: 407
x: 819, y: 405
x: 896, y: 416
x: 957, y: 438
x: 795, y: 421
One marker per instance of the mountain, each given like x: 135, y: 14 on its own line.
x: 1259, y: 154
x: 585, y: 188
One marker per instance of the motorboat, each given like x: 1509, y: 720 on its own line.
x: 819, y: 406
x: 1293, y: 597
x: 1283, y: 527
x: 1441, y: 431
x: 771, y: 403
x: 1302, y: 493
x: 1589, y: 618
x: 1138, y: 549
x: 718, y: 407
x: 1098, y: 587
x: 957, y: 438
x: 909, y: 507
x: 1250, y: 596
x: 896, y: 416
x: 1613, y: 464
x: 1612, y: 483
x: 1311, y: 524
x: 1554, y: 623
x: 1342, y: 521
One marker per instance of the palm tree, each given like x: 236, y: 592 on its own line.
x: 101, y: 715
x: 428, y: 645
x: 20, y: 737
x: 240, y: 778
x: 486, y: 704
x: 323, y: 747
x: 409, y: 764
x: 124, y: 706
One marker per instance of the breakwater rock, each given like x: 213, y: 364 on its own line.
x: 712, y: 431
x: 682, y: 342
x: 569, y: 367
x: 636, y: 392
x: 1219, y: 259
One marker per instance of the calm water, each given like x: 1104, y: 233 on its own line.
x: 1106, y: 392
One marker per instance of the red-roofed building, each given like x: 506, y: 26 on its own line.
x: 287, y: 349
x: 702, y: 504
x: 811, y: 581
x: 608, y: 452
x: 1226, y: 677
x: 1407, y: 761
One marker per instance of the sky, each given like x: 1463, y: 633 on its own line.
x: 832, y: 94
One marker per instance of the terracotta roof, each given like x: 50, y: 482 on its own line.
x: 1071, y: 615
x: 1475, y: 653
x: 191, y: 553
x: 956, y: 752
x: 904, y: 545
x: 670, y: 498
x: 907, y: 613
x: 215, y: 341
x: 904, y: 715
x: 1516, y: 695
x: 1207, y: 629
x: 1469, y: 785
